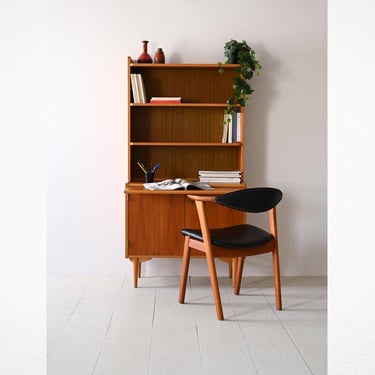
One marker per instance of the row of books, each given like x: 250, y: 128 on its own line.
x: 232, y: 128
x: 138, y: 88
x: 220, y: 176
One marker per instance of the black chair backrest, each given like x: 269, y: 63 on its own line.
x: 253, y: 200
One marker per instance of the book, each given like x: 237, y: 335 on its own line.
x: 177, y: 184
x: 135, y: 89
x: 234, y: 127
x: 225, y: 133
x: 165, y: 99
x: 141, y: 88
x: 239, y: 126
x: 230, y: 128
x: 226, y: 121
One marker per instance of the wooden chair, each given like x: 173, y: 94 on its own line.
x: 234, y: 242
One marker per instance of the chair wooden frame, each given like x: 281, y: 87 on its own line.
x: 212, y: 251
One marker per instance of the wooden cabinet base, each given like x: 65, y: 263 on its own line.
x: 154, y: 222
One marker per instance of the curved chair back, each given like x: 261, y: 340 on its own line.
x: 253, y: 200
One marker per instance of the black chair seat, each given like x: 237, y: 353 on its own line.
x: 238, y: 236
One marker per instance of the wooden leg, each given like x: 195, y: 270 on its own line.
x: 238, y: 277
x: 140, y: 261
x: 276, y: 275
x: 184, y: 270
x: 215, y: 285
x: 234, y: 265
x: 135, y: 271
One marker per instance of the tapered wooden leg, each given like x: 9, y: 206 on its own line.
x: 184, y: 270
x: 275, y: 258
x: 238, y: 277
x: 234, y: 265
x: 215, y: 286
x: 135, y: 271
x: 276, y: 275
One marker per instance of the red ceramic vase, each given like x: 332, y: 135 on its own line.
x: 144, y: 57
x: 159, y: 57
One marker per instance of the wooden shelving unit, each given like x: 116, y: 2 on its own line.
x: 184, y: 138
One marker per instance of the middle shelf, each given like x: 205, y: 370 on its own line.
x: 177, y: 124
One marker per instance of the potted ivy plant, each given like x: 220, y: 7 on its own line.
x: 239, y: 52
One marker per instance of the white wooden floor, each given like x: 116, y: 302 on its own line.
x: 103, y: 326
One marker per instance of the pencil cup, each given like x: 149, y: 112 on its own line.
x: 149, y: 177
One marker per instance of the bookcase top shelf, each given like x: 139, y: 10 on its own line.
x: 183, y: 66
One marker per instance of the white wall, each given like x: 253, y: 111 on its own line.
x: 89, y: 42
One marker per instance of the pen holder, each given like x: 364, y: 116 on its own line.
x: 149, y: 176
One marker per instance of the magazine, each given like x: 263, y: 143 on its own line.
x: 177, y: 184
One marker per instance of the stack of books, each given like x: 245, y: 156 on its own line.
x: 220, y: 176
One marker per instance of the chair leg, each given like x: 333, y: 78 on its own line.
x: 184, y: 270
x: 276, y: 275
x: 215, y: 286
x: 237, y: 284
x: 234, y: 271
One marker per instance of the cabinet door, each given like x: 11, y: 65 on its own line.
x: 217, y: 216
x: 154, y: 223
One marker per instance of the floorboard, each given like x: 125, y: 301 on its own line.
x: 102, y: 325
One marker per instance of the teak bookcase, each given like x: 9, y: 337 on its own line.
x: 184, y: 138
